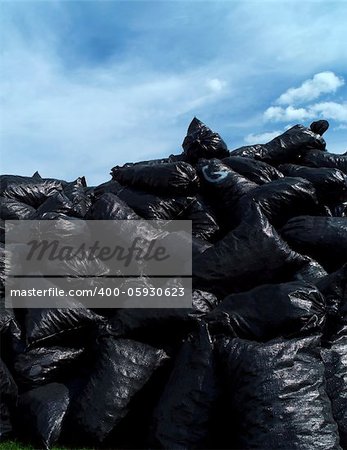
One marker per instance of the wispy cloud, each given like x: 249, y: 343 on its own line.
x: 324, y: 110
x: 321, y: 83
x: 262, y: 138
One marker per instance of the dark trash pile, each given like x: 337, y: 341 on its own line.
x: 260, y: 359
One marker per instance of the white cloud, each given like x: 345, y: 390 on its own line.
x: 330, y: 110
x: 279, y: 114
x: 323, y: 110
x: 262, y: 138
x: 321, y: 83
x: 215, y: 84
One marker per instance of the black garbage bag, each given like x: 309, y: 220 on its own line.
x: 335, y: 362
x: 11, y: 209
x: 340, y: 210
x: 334, y: 289
x: 146, y: 205
x: 311, y: 272
x: 223, y: 186
x: 2, y: 228
x: 11, y: 180
x: 8, y: 399
x: 275, y: 395
x: 161, y: 326
x: 315, y: 158
x: 319, y: 127
x: 10, y: 335
x: 178, y: 178
x: 271, y: 311
x: 40, y: 414
x: 282, y: 199
x: 330, y: 184
x: 76, y: 193
x: 109, y: 187
x: 110, y: 207
x: 232, y: 264
x: 155, y: 162
x: 204, y: 301
x: 53, y: 324
x: 153, y: 207
x: 3, y: 271
x: 185, y: 410
x: 284, y: 148
x: 122, y: 369
x: 204, y: 221
x: 57, y: 203
x: 32, y: 194
x: 202, y: 142
x: 256, y: 171
x: 44, y: 365
x: 322, y: 238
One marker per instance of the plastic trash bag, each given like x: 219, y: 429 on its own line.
x: 256, y: 171
x: 204, y: 221
x: 330, y: 184
x: 187, y: 405
x: 168, y: 178
x: 44, y: 365
x: 10, y: 334
x: 3, y: 271
x: 155, y: 162
x: 334, y: 289
x: 271, y: 311
x: 122, y: 369
x: 319, y: 127
x: 78, y: 196
x: 11, y: 180
x: 32, y: 194
x: 284, y: 148
x: 146, y: 205
x: 13, y: 210
x: 276, y: 395
x: 8, y: 400
x: 282, y: 199
x: 204, y: 301
x: 202, y: 142
x: 340, y: 210
x: 311, y: 272
x: 57, y: 203
x: 334, y: 354
x: 153, y: 207
x: 110, y: 207
x: 109, y: 187
x: 45, y: 324
x: 335, y: 362
x: 322, y: 238
x: 161, y: 325
x: 232, y: 264
x: 2, y: 228
x: 40, y: 414
x: 223, y: 186
x: 315, y: 158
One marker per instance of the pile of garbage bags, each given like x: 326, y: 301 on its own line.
x: 259, y: 361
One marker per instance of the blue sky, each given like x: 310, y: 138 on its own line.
x: 90, y: 84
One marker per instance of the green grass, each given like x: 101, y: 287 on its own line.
x: 13, y: 445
